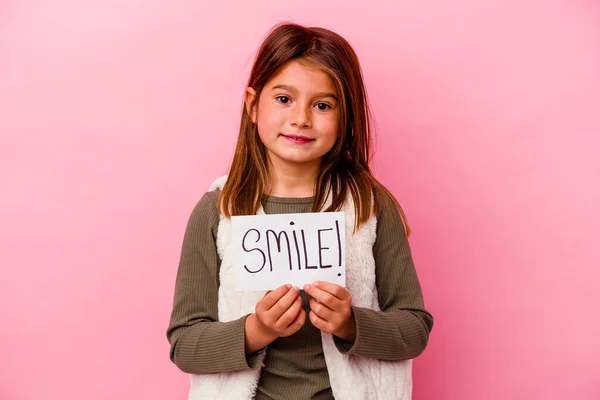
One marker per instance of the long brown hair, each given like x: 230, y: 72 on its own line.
x: 345, y: 168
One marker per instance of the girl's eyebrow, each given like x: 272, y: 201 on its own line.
x: 294, y: 90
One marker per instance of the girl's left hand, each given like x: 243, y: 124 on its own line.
x: 330, y: 309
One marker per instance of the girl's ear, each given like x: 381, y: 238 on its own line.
x: 250, y: 100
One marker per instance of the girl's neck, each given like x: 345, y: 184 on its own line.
x: 292, y: 180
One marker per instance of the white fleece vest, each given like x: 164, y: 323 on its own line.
x: 351, y: 377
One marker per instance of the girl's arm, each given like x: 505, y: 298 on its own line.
x: 401, y: 330
x: 199, y: 343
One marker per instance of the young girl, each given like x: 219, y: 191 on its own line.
x: 303, y: 146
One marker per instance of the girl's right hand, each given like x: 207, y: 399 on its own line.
x: 277, y: 314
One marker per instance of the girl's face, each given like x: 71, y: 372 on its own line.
x: 297, y: 115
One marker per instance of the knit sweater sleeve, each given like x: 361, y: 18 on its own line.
x: 201, y: 344
x: 401, y: 329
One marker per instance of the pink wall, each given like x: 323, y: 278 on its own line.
x: 115, y: 116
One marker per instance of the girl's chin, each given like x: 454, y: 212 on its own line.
x: 286, y: 157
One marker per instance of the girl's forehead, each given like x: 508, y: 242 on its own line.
x: 301, y: 76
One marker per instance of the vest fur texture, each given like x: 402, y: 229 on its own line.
x: 351, y: 377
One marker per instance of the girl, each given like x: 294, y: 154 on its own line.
x: 303, y: 146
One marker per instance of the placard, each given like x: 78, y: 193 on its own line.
x: 272, y: 250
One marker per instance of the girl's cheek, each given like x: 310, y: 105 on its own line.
x: 331, y: 124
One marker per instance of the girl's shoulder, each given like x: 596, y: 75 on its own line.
x: 211, y: 197
x: 209, y: 201
x: 388, y: 211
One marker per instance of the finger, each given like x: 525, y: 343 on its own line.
x: 322, y: 310
x: 336, y: 290
x: 319, y: 322
x: 273, y: 297
x: 284, y: 303
x: 297, y: 324
x: 323, y: 297
x: 290, y: 314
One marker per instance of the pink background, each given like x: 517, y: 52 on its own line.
x: 116, y: 115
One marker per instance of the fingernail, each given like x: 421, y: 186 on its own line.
x: 316, y: 283
x: 296, y: 288
x: 306, y: 287
x: 288, y: 286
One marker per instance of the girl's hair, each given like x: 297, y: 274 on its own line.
x: 345, y: 168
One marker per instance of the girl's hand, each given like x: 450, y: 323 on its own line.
x: 277, y: 314
x: 330, y: 309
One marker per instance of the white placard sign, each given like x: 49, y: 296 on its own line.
x: 272, y: 250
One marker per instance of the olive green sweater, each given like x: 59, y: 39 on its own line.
x: 294, y: 367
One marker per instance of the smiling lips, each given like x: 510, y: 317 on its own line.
x: 298, y: 139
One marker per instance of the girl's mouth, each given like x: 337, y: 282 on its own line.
x: 298, y: 139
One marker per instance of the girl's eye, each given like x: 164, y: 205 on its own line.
x: 323, y: 106
x: 283, y: 99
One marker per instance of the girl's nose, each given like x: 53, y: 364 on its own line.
x: 300, y: 117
